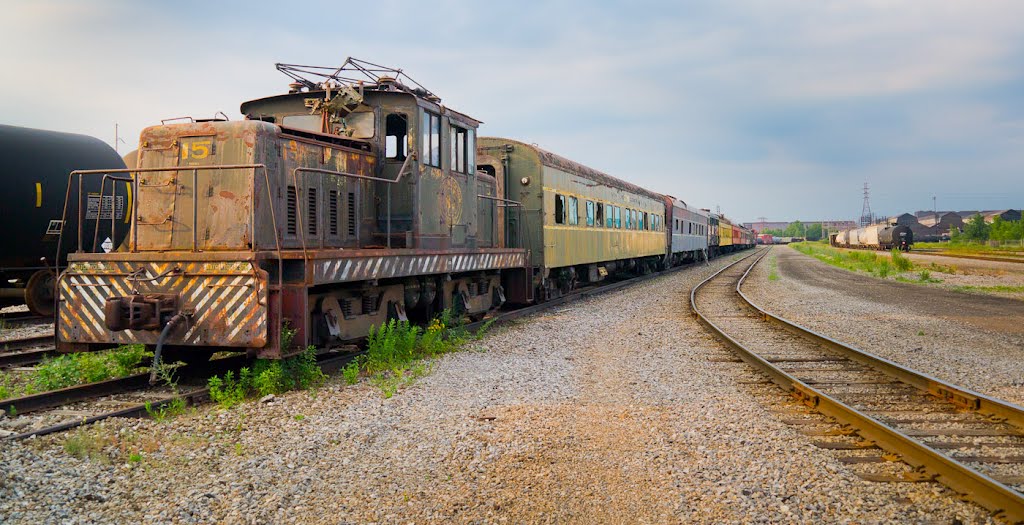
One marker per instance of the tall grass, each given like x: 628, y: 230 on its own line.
x: 77, y: 369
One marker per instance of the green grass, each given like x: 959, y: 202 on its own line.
x: 988, y: 289
x: 773, y: 269
x: 966, y: 247
x: 76, y: 369
x: 874, y: 263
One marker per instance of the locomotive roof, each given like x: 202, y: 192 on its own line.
x: 557, y: 161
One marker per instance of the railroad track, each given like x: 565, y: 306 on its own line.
x: 972, y: 443
x: 17, y: 319
x: 129, y: 396
x: 24, y: 351
x: 940, y: 253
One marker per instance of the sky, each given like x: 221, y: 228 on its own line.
x: 777, y: 109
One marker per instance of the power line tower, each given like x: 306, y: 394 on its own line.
x: 762, y: 219
x: 866, y: 218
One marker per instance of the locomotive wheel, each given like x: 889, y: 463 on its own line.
x: 39, y: 293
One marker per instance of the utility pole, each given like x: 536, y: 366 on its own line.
x: 117, y: 138
x: 762, y: 219
x: 865, y: 211
x: 935, y: 208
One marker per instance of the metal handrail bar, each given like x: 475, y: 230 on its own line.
x: 134, y: 243
x: 322, y: 172
x: 113, y: 207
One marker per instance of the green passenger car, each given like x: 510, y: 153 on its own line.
x: 579, y: 224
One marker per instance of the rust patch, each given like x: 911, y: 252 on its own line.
x: 227, y: 194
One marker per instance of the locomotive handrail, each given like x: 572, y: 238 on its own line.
x: 508, y: 203
x: 321, y: 171
x: 133, y: 244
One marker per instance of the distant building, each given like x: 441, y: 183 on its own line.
x: 833, y: 225
x: 1006, y: 215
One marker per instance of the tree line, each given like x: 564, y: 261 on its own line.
x: 976, y: 229
x: 811, y: 232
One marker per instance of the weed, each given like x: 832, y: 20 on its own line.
x: 134, y: 457
x: 175, y: 407
x: 920, y: 332
x: 88, y: 367
x: 299, y: 417
x: 484, y: 328
x: 300, y: 372
x: 925, y: 276
x: 351, y: 373
x: 86, y: 443
x: 902, y: 262
x: 773, y: 269
x: 883, y: 269
x: 238, y: 449
x: 11, y: 411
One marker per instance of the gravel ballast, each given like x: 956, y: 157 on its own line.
x: 970, y: 340
x: 615, y: 409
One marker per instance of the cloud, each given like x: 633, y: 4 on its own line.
x: 779, y: 109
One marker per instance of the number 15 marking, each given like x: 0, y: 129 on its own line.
x: 199, y: 149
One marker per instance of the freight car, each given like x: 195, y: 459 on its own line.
x: 36, y: 167
x: 332, y: 208
x: 580, y: 224
x: 877, y: 237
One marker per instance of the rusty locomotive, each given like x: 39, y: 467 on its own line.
x: 354, y: 198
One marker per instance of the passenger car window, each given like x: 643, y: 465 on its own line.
x: 627, y: 218
x: 618, y: 217
x: 590, y: 213
x: 574, y: 212
x: 600, y: 215
x: 559, y: 209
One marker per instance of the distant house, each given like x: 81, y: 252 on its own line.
x: 1006, y: 215
x: 943, y: 220
x: 906, y: 219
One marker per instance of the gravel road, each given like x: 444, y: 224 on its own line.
x: 971, y: 340
x: 617, y: 409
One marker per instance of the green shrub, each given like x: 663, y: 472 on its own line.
x: 267, y: 376
x: 902, y: 262
x: 351, y: 373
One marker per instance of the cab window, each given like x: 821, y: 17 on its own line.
x: 430, y: 131
x: 358, y: 125
x: 396, y: 141
x: 463, y: 149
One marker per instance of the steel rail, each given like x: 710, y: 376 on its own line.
x: 1001, y: 500
x: 191, y: 397
x: 24, y: 358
